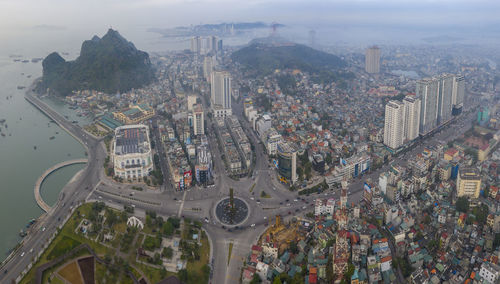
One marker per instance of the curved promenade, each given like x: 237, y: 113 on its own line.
x: 45, y: 207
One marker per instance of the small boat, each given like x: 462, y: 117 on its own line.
x: 75, y: 121
x: 25, y: 61
x: 6, y: 126
x: 29, y: 76
x: 20, y: 87
x: 52, y: 138
x: 2, y: 120
x: 3, y: 134
x: 34, y: 147
x: 57, y: 132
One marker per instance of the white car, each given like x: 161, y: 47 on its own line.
x: 22, y: 254
x: 295, y: 200
x: 43, y: 229
x: 265, y: 218
x: 253, y: 225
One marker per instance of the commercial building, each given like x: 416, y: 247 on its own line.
x: 372, y: 60
x: 349, y: 168
x: 203, y: 167
x: 458, y: 94
x: 287, y: 163
x: 324, y: 207
x: 205, y: 45
x: 132, y: 157
x: 271, y: 138
x: 209, y: 63
x: 221, y: 93
x: 198, y: 120
x: 445, y: 93
x: 427, y: 92
x: 394, y: 124
x: 489, y: 273
x: 468, y: 182
x: 263, y: 124
x: 412, y: 117
x: 135, y: 114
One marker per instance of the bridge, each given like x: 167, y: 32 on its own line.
x: 45, y: 207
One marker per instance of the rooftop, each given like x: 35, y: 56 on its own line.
x: 131, y: 139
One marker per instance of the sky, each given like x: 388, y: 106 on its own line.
x: 349, y: 19
x: 169, y: 13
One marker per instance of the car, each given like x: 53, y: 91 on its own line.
x: 265, y: 217
x: 253, y: 225
x: 297, y: 210
x: 252, y: 198
x: 22, y: 254
x: 31, y: 250
x: 289, y: 212
x: 207, y: 221
x: 281, y: 203
x: 133, y: 205
x: 43, y: 229
x: 295, y: 200
x: 288, y: 204
x: 100, y: 197
x: 304, y: 207
x: 287, y: 200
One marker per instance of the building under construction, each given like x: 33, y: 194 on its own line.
x: 341, y: 248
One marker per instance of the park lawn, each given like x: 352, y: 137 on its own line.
x: 197, y: 265
x: 152, y: 274
x: 71, y: 273
x: 120, y: 227
x: 66, y: 235
x: 56, y: 280
x: 102, y: 276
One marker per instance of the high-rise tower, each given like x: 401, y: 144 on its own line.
x: 372, y: 60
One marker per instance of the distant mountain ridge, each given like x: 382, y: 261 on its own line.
x: 109, y: 64
x: 264, y: 55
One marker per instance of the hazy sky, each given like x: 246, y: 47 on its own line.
x: 169, y: 13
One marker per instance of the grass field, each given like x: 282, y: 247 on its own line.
x: 71, y: 273
x: 229, y: 253
x: 65, y: 244
x: 67, y: 239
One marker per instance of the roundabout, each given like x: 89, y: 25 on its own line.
x: 232, y: 213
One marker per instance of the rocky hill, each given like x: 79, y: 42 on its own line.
x: 109, y: 64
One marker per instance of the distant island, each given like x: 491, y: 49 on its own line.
x: 265, y: 55
x: 109, y: 64
x: 223, y: 29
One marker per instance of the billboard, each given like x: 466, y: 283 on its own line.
x: 367, y: 187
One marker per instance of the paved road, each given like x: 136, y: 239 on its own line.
x: 196, y: 203
x: 74, y: 192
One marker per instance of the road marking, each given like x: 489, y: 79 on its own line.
x: 182, y: 204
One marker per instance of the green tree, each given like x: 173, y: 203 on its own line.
x: 167, y: 252
x: 255, y: 279
x: 277, y: 280
x: 168, y: 228
x: 462, y: 204
x: 183, y: 275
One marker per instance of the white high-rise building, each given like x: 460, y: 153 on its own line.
x: 444, y: 98
x: 221, y: 92
x: 372, y: 60
x: 427, y: 92
x: 198, y: 120
x: 412, y: 118
x: 208, y: 67
x: 394, y: 124
x: 458, y: 94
